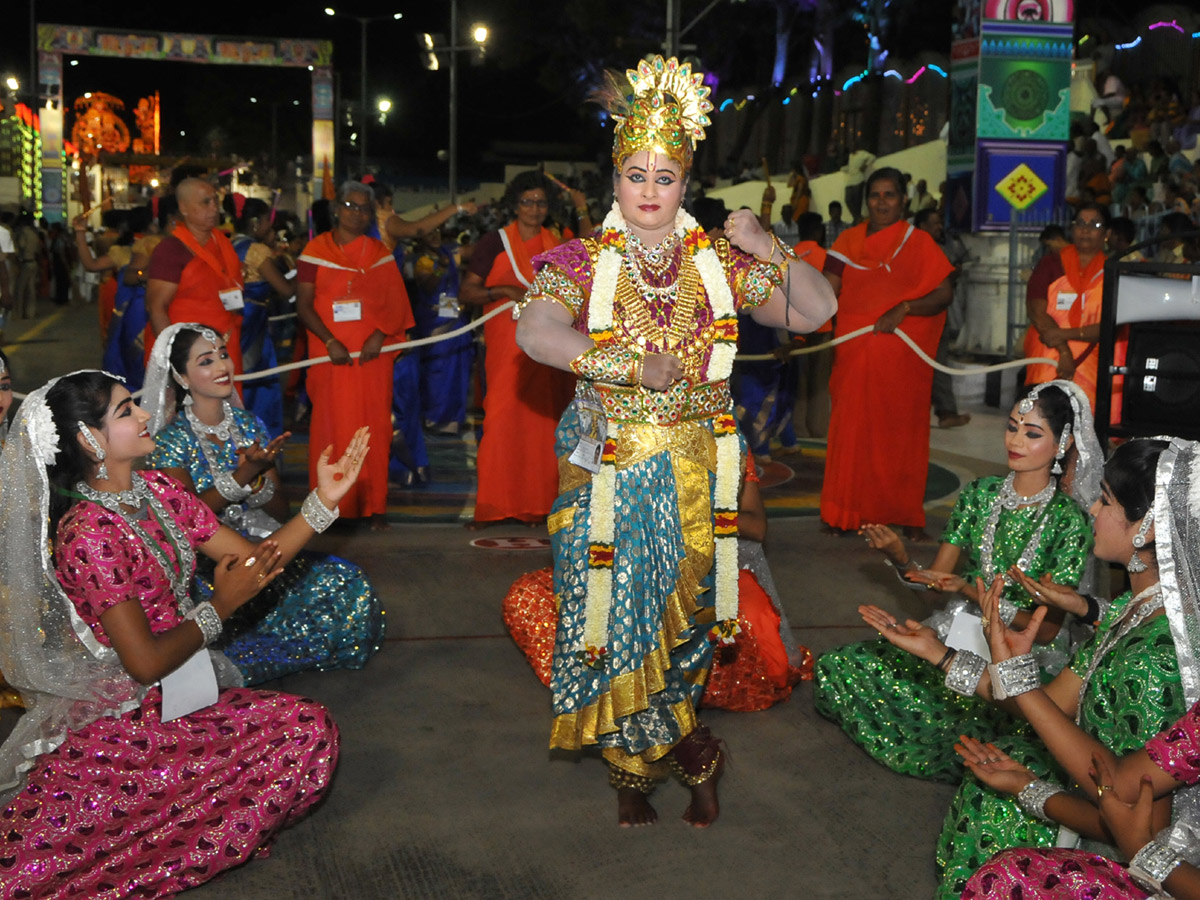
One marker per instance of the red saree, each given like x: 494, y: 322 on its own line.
x: 518, y: 472
x: 345, y: 398
x: 878, y: 455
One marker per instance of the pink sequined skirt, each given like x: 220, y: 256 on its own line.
x: 135, y: 807
x: 1024, y: 874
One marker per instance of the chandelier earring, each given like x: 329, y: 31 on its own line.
x: 1136, y: 563
x: 1057, y: 468
x: 102, y: 472
x: 183, y: 386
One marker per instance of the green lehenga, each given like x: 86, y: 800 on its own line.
x: 1134, y: 694
x: 895, y: 705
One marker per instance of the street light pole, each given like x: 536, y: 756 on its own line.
x: 453, y: 102
x: 363, y: 22
x: 362, y: 99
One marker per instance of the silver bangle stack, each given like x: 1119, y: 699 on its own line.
x: 1007, y: 611
x: 964, y: 672
x: 228, y: 487
x: 317, y: 514
x: 1032, y: 798
x: 1015, y: 676
x: 205, y: 616
x: 1152, y: 864
x: 263, y: 495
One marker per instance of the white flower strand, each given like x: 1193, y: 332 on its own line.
x: 601, y: 529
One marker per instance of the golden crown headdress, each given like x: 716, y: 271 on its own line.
x: 661, y: 106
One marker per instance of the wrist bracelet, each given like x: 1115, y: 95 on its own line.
x: 330, y: 341
x: 1152, y: 864
x: 263, y: 495
x: 964, y: 672
x: 1015, y: 676
x: 317, y: 514
x: 1032, y: 798
x: 1007, y: 610
x: 941, y: 664
x: 228, y: 487
x: 610, y: 363
x: 206, y: 617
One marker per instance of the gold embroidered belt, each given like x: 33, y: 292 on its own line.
x: 684, y: 401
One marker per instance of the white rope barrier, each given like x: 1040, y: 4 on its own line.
x: 867, y: 329
x: 749, y: 357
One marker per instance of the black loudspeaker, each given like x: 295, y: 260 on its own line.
x: 1162, y: 381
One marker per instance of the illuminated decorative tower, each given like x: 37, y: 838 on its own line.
x: 1009, y: 112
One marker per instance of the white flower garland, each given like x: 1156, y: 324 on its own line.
x: 601, y: 526
x: 43, y: 435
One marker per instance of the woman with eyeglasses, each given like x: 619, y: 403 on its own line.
x: 351, y: 298
x: 1068, y: 326
x: 523, y: 399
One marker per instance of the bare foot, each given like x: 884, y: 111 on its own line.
x: 633, y: 809
x: 704, y: 808
x: 379, y: 522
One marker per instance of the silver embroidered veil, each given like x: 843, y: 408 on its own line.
x: 1177, y: 550
x: 159, y: 391
x: 66, y: 677
x: 43, y: 653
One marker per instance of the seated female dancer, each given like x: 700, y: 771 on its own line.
x: 100, y: 633
x: 8, y: 696
x: 1123, y: 685
x: 322, y: 613
x: 888, y: 701
x: 1170, y: 760
x: 757, y: 670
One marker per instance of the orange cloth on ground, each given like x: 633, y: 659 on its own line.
x: 1078, y: 311
x: 751, y: 675
x: 214, y: 268
x: 814, y: 254
x: 878, y: 456
x: 344, y: 398
x: 517, y: 469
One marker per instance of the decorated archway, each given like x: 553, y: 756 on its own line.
x: 58, y: 41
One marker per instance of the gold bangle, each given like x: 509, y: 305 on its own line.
x: 641, y: 365
x: 330, y: 341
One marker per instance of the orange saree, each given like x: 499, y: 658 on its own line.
x: 1074, y: 301
x: 345, y: 398
x: 518, y: 472
x: 878, y: 455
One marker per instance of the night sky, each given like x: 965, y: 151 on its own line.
x: 529, y: 89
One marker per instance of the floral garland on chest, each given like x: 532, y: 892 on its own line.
x: 601, y: 525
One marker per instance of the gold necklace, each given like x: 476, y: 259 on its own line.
x: 637, y: 321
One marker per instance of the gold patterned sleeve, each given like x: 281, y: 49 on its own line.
x: 552, y: 283
x: 751, y: 281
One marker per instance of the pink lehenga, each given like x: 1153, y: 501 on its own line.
x: 1068, y: 874
x: 109, y: 800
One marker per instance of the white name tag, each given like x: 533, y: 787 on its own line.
x: 593, y: 430
x: 191, y: 687
x: 1066, y: 300
x: 447, y: 306
x: 232, y: 299
x: 966, y: 633
x: 347, y: 311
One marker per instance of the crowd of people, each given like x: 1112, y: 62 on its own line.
x: 153, y: 571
